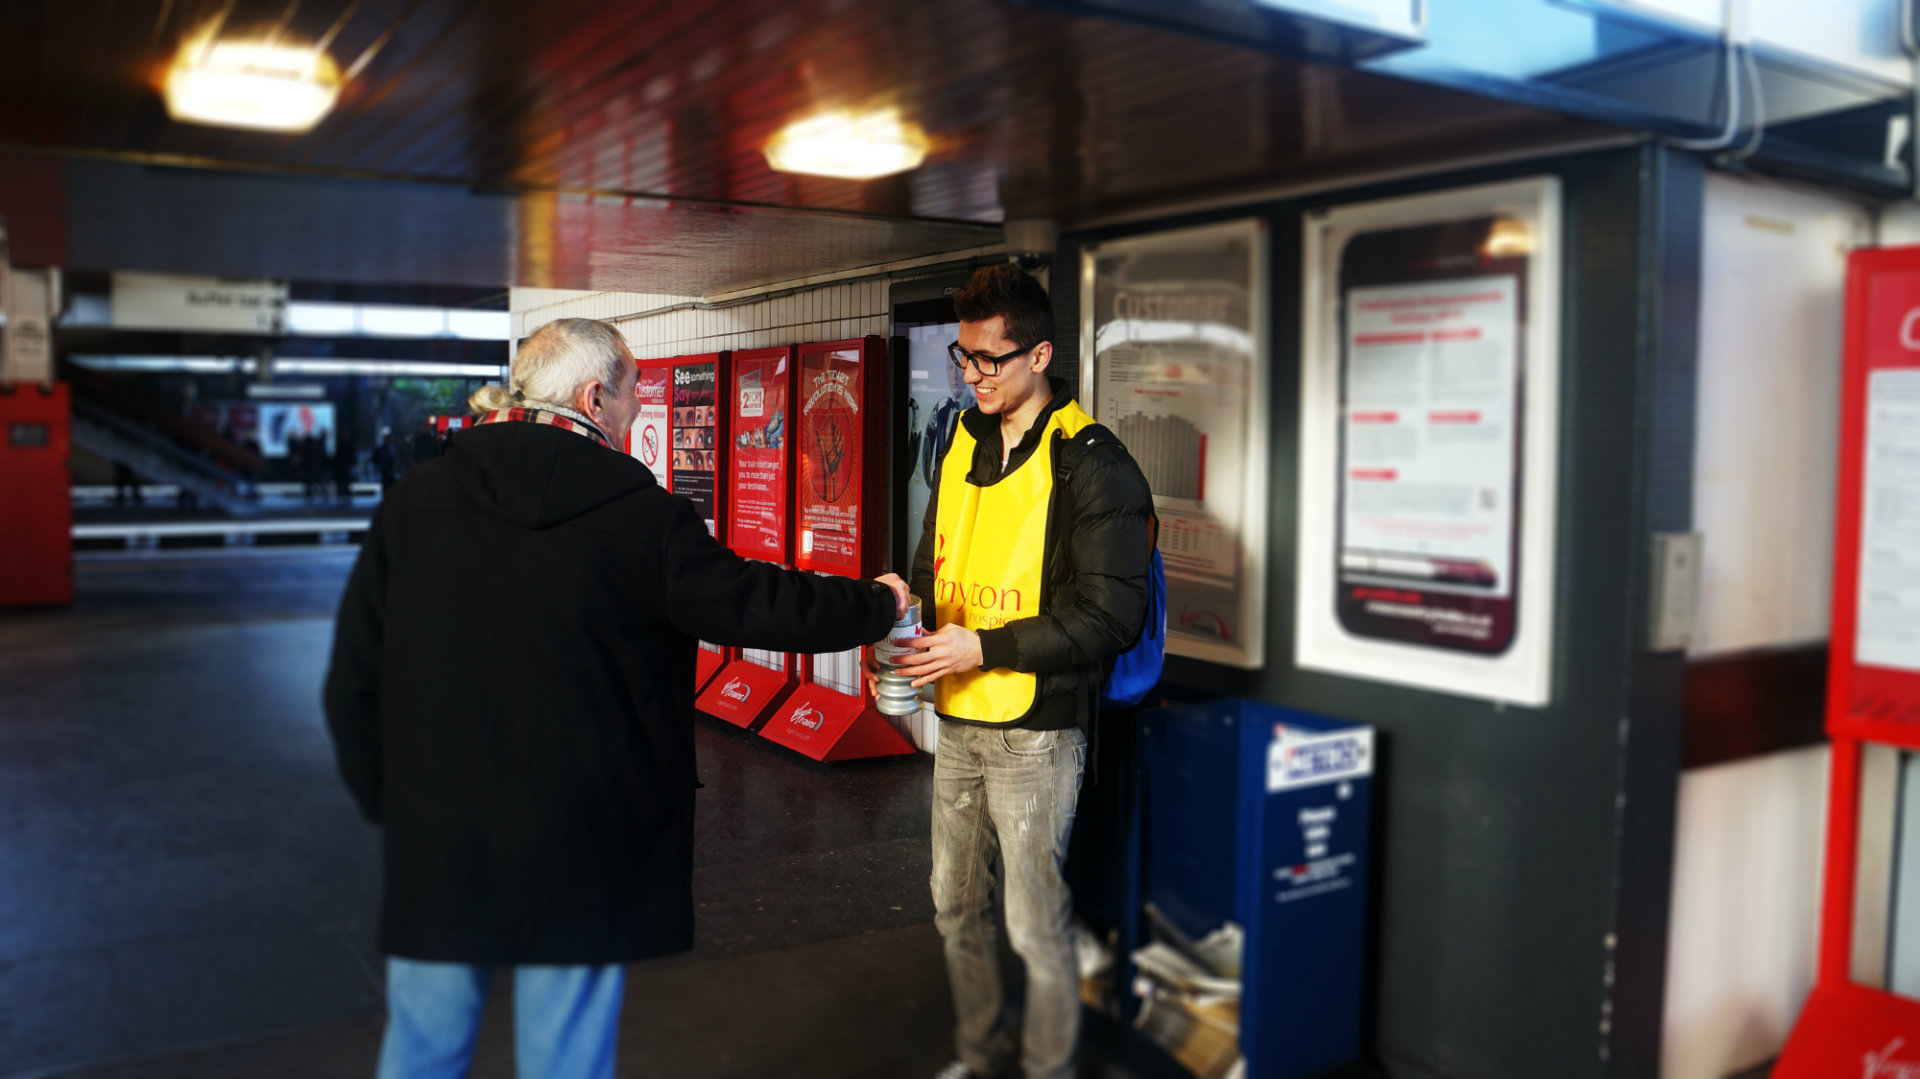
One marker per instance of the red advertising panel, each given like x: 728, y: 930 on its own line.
x: 648, y: 440
x: 698, y: 430
x: 761, y: 402
x: 1874, y: 680
x: 679, y: 435
x: 837, y: 492
x: 36, y: 530
x: 839, y: 509
x: 1873, y: 675
x: 758, y: 402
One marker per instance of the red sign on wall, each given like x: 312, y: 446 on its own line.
x: 830, y: 492
x: 761, y: 400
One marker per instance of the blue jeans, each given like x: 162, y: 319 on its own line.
x: 1008, y: 796
x: 565, y: 1019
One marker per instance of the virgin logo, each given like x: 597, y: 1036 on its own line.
x: 1910, y: 331
x: 809, y: 717
x: 1881, y: 1065
x: 737, y: 689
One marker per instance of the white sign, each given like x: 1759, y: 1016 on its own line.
x: 26, y: 345
x: 1428, y: 441
x: 1427, y: 488
x: 1176, y: 367
x: 1887, y: 628
x: 143, y: 301
x: 1307, y: 758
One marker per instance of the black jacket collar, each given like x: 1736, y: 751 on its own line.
x: 985, y: 429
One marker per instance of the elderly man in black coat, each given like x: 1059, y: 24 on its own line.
x: 511, y: 701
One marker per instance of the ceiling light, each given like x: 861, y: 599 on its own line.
x: 251, y: 85
x: 1508, y: 237
x: 855, y: 146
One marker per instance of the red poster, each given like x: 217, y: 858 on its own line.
x: 757, y: 527
x: 829, y: 489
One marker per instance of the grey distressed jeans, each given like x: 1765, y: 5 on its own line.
x: 1007, y: 796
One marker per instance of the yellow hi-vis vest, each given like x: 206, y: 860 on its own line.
x: 988, y: 556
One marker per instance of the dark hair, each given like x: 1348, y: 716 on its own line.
x: 1012, y: 293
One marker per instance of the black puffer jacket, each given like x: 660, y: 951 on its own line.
x: 1093, y: 589
x: 511, y: 694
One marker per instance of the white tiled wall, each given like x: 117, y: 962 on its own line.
x: 658, y: 325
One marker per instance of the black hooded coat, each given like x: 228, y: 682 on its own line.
x: 511, y: 694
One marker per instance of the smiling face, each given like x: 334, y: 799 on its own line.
x: 1021, y: 384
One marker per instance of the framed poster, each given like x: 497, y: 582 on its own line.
x: 1176, y: 366
x: 761, y: 403
x: 1429, y: 429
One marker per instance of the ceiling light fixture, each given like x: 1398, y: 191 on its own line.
x: 854, y: 146
x: 255, y: 85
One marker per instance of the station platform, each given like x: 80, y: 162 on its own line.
x: 191, y: 892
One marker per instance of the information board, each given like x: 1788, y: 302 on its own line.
x: 1428, y: 456
x: 1177, y: 371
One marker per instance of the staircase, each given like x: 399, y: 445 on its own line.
x: 158, y: 459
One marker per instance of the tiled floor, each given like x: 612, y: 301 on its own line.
x: 185, y: 888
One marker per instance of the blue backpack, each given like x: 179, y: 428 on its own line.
x: 1137, y: 670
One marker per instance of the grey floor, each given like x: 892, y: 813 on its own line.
x: 186, y: 889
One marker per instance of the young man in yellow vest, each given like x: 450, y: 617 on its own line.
x: 1034, y: 567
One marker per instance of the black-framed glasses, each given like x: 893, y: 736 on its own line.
x: 986, y: 365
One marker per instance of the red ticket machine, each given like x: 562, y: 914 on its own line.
x: 36, y: 525
x: 839, y: 515
x: 681, y: 435
x: 1873, y: 675
x: 759, y: 401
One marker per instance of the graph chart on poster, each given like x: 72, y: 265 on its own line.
x: 1177, y: 325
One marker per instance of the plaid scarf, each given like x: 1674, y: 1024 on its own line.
x: 565, y: 419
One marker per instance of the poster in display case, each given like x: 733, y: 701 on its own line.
x: 1428, y: 440
x: 1175, y: 331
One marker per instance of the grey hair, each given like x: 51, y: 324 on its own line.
x: 556, y: 360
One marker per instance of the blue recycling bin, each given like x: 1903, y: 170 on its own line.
x: 1260, y: 814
